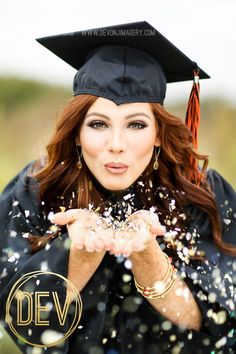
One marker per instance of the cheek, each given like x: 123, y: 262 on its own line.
x: 144, y: 144
x: 91, y: 142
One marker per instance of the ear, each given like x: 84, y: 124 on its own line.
x: 157, y: 141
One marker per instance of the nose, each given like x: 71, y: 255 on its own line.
x: 117, y: 141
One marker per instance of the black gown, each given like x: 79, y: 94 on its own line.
x: 115, y: 318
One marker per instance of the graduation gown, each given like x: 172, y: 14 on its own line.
x: 115, y: 318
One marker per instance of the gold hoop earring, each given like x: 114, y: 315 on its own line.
x: 79, y: 164
x: 156, y: 163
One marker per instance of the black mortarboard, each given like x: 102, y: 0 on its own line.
x: 124, y: 63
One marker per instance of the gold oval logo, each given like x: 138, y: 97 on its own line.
x: 24, y: 295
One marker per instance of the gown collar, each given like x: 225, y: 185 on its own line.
x: 120, y: 204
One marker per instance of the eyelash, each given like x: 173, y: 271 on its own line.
x: 97, y: 124
x: 101, y: 125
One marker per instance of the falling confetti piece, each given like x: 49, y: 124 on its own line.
x: 221, y: 342
x: 27, y: 213
x: 227, y: 221
x: 49, y: 336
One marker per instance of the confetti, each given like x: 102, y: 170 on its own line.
x: 212, y: 297
x: 13, y: 233
x: 44, y: 266
x: 166, y: 325
x: 50, y: 336
x: 27, y: 213
x: 221, y: 342
x: 126, y: 278
x: 128, y: 264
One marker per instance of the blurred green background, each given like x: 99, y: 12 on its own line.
x: 28, y: 110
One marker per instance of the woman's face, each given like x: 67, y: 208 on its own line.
x: 117, y: 142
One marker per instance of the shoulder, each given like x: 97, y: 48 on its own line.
x: 225, y: 196
x: 22, y: 184
x: 217, y: 181
x: 223, y: 191
x: 20, y: 203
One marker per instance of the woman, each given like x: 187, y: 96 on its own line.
x: 152, y: 235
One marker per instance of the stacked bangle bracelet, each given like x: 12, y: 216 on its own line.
x: 161, y: 287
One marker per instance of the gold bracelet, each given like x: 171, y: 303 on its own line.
x: 152, y: 293
x: 162, y: 287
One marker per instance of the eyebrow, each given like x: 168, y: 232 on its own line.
x: 127, y: 117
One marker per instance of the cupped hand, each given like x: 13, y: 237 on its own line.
x: 139, y: 229
x: 86, y: 229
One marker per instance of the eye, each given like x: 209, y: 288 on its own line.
x: 97, y: 124
x: 137, y: 125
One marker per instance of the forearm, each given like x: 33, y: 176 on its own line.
x: 82, y: 266
x: 178, y: 305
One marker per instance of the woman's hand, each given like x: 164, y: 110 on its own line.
x: 89, y: 231
x: 86, y: 229
x: 137, y: 232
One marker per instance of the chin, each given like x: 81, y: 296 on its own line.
x: 117, y: 184
x: 116, y: 188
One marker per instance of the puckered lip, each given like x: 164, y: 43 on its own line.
x: 116, y: 165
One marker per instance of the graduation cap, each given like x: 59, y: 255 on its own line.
x: 127, y: 63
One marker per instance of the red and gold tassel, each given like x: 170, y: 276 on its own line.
x: 193, y: 123
x: 193, y: 110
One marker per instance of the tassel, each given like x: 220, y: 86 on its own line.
x: 193, y: 123
x: 193, y: 110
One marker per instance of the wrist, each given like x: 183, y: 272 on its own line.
x: 150, y: 263
x: 152, y: 251
x: 160, y: 288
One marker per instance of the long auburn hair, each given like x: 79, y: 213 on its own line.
x: 61, y: 183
